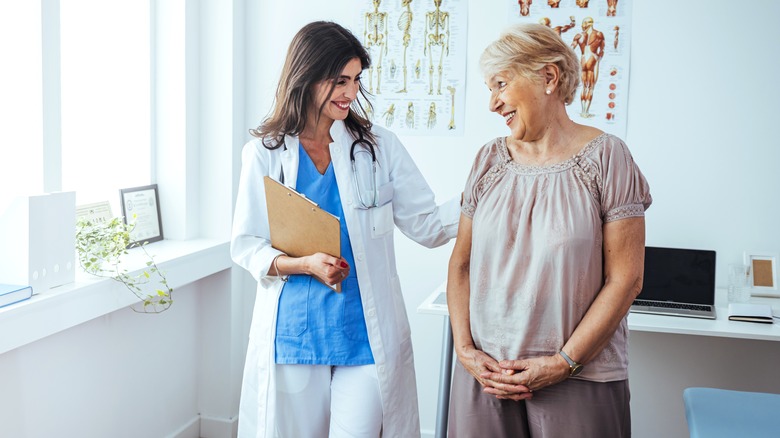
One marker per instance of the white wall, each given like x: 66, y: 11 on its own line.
x: 701, y: 125
x: 121, y: 375
x: 701, y: 114
x: 702, y: 117
x: 178, y: 373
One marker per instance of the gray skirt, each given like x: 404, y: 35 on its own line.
x: 571, y: 408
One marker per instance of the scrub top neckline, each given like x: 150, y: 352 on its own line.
x: 306, y: 154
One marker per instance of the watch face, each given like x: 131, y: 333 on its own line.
x: 576, y: 369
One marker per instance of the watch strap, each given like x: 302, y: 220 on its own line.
x: 574, y: 367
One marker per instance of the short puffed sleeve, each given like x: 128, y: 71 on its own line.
x: 624, y: 191
x: 486, y: 168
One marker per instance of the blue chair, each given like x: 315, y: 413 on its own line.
x: 716, y: 413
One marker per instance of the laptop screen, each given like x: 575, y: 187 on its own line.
x: 679, y: 275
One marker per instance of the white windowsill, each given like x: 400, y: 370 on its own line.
x: 89, y: 297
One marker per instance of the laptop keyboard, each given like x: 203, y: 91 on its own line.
x: 669, y: 305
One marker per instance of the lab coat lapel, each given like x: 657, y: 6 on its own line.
x: 289, y: 161
x: 338, y: 149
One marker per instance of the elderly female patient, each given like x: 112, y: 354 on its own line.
x: 548, y: 259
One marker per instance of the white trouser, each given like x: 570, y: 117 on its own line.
x: 313, y: 399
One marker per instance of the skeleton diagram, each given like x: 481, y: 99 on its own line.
x: 438, y: 23
x: 432, y: 115
x: 591, y: 44
x: 410, y: 116
x: 389, y: 115
x: 405, y: 26
x: 451, y: 89
x: 376, y: 36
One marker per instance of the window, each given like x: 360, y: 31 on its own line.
x: 21, y: 168
x: 106, y: 96
x: 92, y: 72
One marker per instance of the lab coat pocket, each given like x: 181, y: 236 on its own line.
x: 382, y: 214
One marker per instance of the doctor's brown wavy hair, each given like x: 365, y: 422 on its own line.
x: 318, y: 52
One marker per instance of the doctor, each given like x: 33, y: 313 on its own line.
x: 322, y: 363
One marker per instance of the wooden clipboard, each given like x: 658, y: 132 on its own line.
x: 299, y: 227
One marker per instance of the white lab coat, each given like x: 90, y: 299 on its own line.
x: 405, y: 201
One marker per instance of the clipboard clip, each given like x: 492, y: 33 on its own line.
x: 290, y: 194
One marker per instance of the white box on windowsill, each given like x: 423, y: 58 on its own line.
x: 38, y: 241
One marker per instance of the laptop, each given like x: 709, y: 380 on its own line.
x: 678, y: 282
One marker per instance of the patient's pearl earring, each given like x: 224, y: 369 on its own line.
x: 549, y: 91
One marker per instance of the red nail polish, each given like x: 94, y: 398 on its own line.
x: 344, y: 264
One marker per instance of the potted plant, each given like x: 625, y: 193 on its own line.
x: 100, y: 245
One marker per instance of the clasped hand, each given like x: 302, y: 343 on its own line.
x: 327, y: 268
x: 513, y: 379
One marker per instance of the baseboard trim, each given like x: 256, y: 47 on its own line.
x: 213, y: 427
x: 190, y: 430
x: 208, y: 427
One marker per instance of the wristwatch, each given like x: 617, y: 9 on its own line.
x: 574, y: 367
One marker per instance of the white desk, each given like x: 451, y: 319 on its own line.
x: 436, y: 304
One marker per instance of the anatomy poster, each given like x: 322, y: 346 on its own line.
x: 599, y: 31
x: 418, y: 52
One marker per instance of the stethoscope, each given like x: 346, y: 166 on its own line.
x: 368, y: 148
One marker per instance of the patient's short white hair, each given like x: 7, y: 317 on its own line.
x: 524, y: 49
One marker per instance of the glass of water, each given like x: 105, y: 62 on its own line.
x: 739, y: 276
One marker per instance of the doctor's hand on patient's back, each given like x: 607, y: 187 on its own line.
x: 326, y: 268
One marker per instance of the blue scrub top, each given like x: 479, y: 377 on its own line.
x: 317, y: 325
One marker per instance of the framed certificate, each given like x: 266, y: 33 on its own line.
x: 763, y: 273
x: 141, y: 208
x: 97, y: 213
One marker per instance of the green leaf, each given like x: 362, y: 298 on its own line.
x: 100, y: 246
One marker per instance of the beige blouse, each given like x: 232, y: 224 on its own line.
x: 536, y: 254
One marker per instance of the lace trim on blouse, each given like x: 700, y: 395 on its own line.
x: 484, y: 183
x: 584, y: 170
x: 588, y: 174
x: 626, y: 211
x: 503, y: 152
x: 468, y: 210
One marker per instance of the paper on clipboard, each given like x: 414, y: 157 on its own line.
x: 299, y: 227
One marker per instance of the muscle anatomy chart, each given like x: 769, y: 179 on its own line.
x: 599, y: 32
x: 418, y: 55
